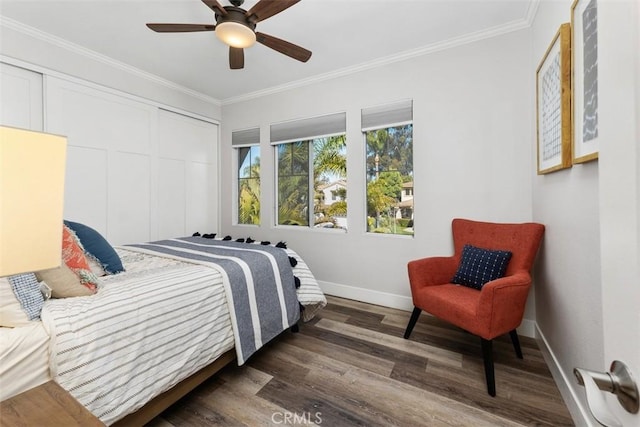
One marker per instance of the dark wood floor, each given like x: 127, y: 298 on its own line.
x: 351, y: 367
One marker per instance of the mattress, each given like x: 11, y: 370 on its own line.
x: 24, y: 358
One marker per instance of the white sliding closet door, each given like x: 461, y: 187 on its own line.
x: 135, y: 172
x: 20, y: 97
x: 187, y: 166
x: 109, y: 158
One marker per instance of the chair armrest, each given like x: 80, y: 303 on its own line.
x: 431, y: 271
x: 502, y: 302
x: 519, y: 279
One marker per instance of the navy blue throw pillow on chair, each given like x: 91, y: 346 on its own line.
x: 98, y: 247
x: 479, y: 266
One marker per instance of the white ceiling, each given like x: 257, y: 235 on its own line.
x: 344, y: 36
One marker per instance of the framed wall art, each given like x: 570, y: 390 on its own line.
x: 553, y: 104
x: 584, y: 28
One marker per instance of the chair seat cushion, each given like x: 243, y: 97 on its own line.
x: 479, y: 266
x: 453, y: 303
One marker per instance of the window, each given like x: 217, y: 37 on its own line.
x: 388, y: 133
x: 293, y: 183
x: 246, y: 144
x: 311, y: 167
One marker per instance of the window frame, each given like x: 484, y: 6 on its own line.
x: 385, y: 117
x: 306, y: 130
x: 311, y: 190
x: 246, y: 138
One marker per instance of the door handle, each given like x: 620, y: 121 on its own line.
x: 617, y: 381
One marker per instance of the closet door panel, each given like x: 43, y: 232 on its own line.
x: 20, y: 97
x: 129, y: 196
x: 171, y: 199
x: 85, y: 183
x: 194, y: 143
x: 136, y: 172
x: 186, y: 138
x: 98, y: 119
x: 201, y: 198
x: 110, y: 141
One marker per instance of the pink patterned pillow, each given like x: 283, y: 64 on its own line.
x: 74, y: 257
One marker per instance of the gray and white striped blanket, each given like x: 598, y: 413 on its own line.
x: 258, y: 280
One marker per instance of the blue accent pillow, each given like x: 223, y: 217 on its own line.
x: 98, y: 247
x: 27, y: 290
x: 479, y: 266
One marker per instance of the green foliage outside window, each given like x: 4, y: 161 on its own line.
x: 249, y: 185
x: 318, y: 162
x: 389, y: 165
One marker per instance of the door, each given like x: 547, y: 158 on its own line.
x: 619, y: 167
x: 20, y: 97
x: 187, y: 175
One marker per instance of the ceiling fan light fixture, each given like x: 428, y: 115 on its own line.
x: 236, y: 26
x: 235, y: 34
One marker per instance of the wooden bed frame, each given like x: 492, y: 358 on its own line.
x: 156, y: 406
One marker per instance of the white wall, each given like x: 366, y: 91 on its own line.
x: 569, y: 281
x: 473, y: 112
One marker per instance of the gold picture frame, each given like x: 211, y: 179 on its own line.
x: 553, y: 104
x: 584, y: 80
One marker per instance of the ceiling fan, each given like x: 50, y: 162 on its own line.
x: 236, y: 27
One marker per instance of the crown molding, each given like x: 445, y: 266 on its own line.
x: 532, y: 11
x: 93, y: 55
x: 517, y: 25
x: 401, y: 56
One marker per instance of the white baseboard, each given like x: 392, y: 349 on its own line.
x: 384, y: 299
x: 579, y: 413
x: 527, y: 327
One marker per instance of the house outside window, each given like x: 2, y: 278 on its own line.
x: 246, y: 143
x: 311, y: 163
x: 388, y: 133
x: 334, y: 201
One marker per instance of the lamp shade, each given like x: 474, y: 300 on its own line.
x: 235, y: 34
x: 32, y: 166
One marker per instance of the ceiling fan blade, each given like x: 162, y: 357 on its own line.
x: 267, y: 8
x: 282, y: 46
x: 236, y: 58
x: 215, y: 6
x: 180, y: 28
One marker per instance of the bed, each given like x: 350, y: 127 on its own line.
x: 153, y: 332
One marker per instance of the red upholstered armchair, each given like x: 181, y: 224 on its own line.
x: 495, y: 309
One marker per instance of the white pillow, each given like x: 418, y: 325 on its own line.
x: 11, y: 312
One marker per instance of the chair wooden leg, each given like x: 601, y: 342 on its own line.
x: 516, y: 343
x: 487, y: 355
x: 412, y: 321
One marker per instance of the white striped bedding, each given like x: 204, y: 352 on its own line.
x: 145, y: 330
x: 309, y: 293
x: 258, y: 280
